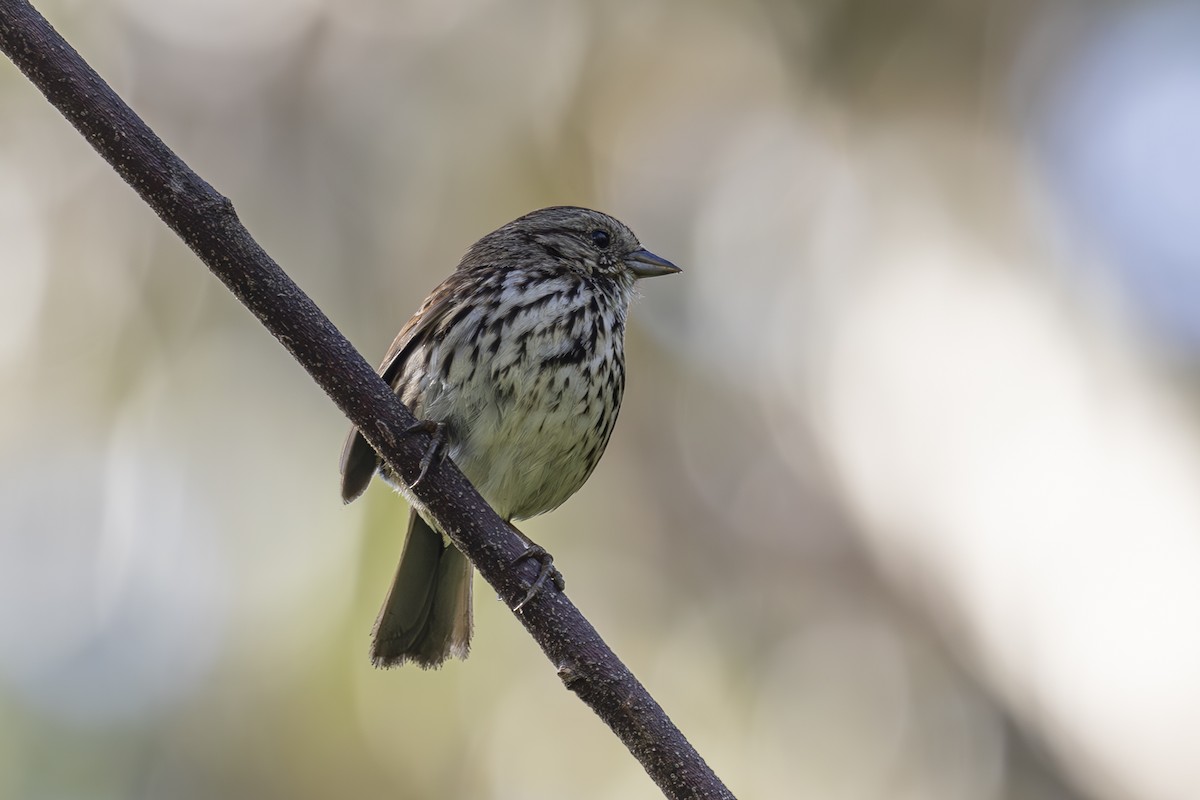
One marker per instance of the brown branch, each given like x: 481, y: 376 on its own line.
x: 206, y: 221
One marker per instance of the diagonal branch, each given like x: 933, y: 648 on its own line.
x: 206, y: 221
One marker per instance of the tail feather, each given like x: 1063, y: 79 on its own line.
x: 426, y: 617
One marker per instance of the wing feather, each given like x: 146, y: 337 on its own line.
x: 359, y: 459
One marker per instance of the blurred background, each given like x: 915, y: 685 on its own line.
x: 904, y: 501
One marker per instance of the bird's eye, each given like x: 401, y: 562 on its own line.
x: 600, y: 238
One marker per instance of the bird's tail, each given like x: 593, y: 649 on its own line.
x: 426, y: 617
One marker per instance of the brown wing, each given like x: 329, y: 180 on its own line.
x: 359, y: 459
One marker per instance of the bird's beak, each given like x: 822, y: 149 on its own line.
x: 645, y: 264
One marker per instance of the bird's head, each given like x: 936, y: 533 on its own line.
x: 576, y: 238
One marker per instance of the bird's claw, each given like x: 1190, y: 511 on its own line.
x: 435, y: 452
x: 547, y: 571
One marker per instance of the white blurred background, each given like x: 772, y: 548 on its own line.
x: 904, y: 501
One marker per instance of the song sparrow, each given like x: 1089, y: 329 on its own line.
x: 517, y: 360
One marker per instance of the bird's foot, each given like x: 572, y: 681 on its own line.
x: 435, y: 453
x: 548, y: 571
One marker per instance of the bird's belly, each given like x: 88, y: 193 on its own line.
x: 529, y: 453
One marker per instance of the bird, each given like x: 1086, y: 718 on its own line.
x: 515, y: 364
